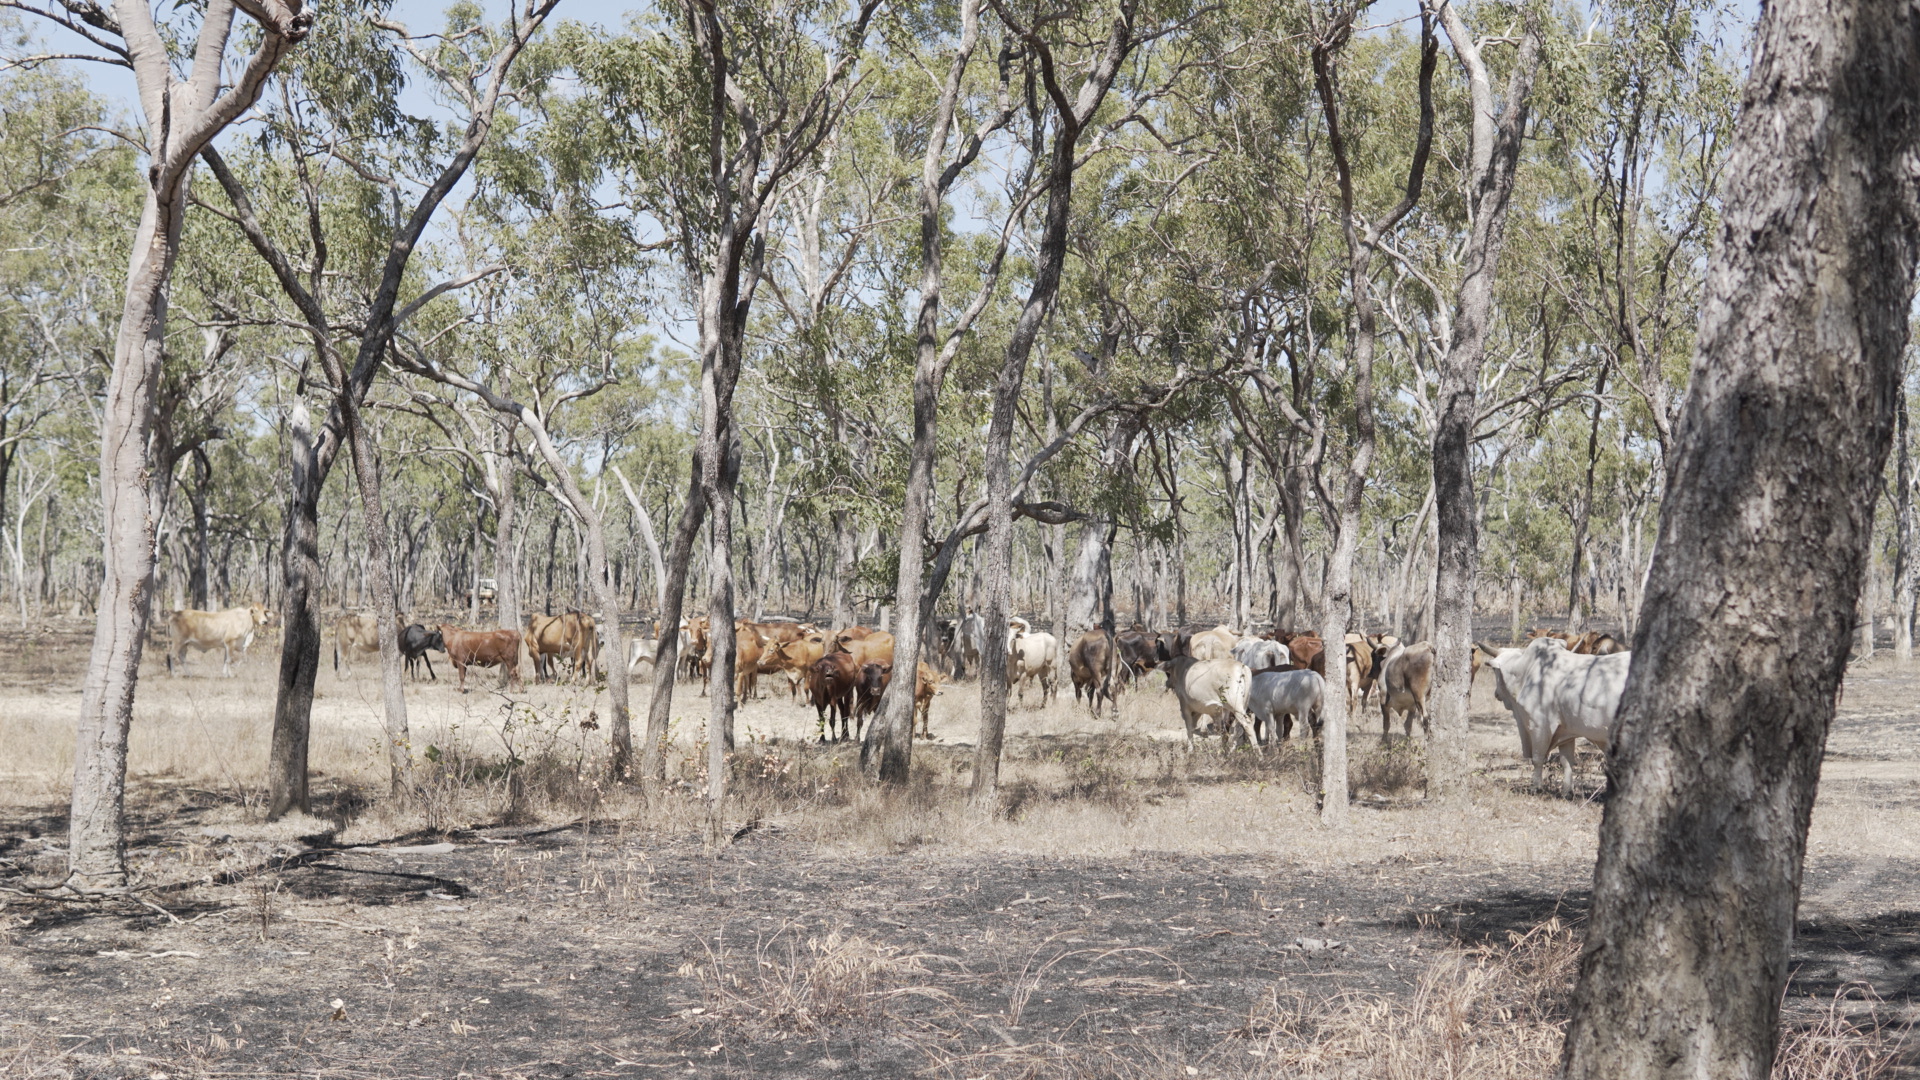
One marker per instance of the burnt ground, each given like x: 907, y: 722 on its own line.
x: 625, y: 948
x: 575, y: 951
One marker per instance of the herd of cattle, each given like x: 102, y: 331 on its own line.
x: 1559, y: 687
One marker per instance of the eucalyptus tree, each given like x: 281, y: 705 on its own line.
x: 708, y: 120
x: 1363, y: 236
x: 1102, y: 54
x: 183, y: 115
x: 341, y: 124
x: 1497, y: 134
x: 1772, y: 484
x: 988, y: 104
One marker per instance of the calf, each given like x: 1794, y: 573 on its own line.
x: 214, y: 630
x: 926, y: 684
x: 483, y: 648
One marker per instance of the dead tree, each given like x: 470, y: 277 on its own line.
x: 1764, y: 536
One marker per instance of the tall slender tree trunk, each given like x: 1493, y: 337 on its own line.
x: 506, y: 569
x: 673, y: 593
x: 366, y: 469
x: 182, y: 116
x: 300, y: 620
x: 1070, y: 118
x: 1360, y: 236
x: 1764, y: 536
x: 1583, y: 515
x: 97, y: 852
x: 1903, y: 509
x: 1495, y: 156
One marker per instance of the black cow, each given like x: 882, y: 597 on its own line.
x: 1142, y: 651
x: 415, y: 640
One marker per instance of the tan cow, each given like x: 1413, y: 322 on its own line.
x: 1404, y: 677
x: 215, y: 630
x: 570, y: 634
x: 354, y: 635
x: 927, y: 685
x: 794, y: 659
x: 1214, y: 644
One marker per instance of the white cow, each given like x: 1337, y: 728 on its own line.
x: 1261, y: 655
x: 1216, y: 689
x: 1557, y: 697
x: 972, y: 636
x: 1278, y: 698
x: 1032, y: 656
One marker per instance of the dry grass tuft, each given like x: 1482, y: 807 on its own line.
x: 1390, y: 769
x: 811, y: 987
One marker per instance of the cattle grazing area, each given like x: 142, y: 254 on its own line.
x: 1137, y: 910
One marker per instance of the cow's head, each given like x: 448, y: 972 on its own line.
x: 262, y: 616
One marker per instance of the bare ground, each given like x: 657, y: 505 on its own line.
x: 1139, y: 911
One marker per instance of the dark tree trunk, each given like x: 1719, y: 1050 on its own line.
x: 300, y: 622
x: 673, y: 594
x: 197, y: 573
x: 1903, y: 508
x: 1495, y: 156
x: 1762, y: 547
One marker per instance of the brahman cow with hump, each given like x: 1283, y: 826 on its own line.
x: 1214, y: 644
x: 1405, y: 676
x: 214, y: 630
x: 1278, y: 698
x: 1261, y: 654
x: 1032, y: 655
x: 1216, y: 689
x: 483, y: 648
x: 1557, y: 696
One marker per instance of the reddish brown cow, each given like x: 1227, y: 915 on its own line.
x: 1309, y: 653
x: 830, y: 685
x: 483, y: 648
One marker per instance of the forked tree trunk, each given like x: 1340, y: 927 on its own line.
x: 1495, y: 157
x: 1763, y: 540
x: 182, y: 117
x: 1360, y: 237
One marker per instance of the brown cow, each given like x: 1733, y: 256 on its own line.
x: 694, y: 650
x: 874, y: 678
x: 875, y: 648
x: 830, y: 685
x: 794, y: 658
x: 571, y: 634
x: 1308, y: 651
x: 925, y: 686
x: 746, y: 663
x: 483, y: 648
x: 1091, y: 662
x: 1362, y: 667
